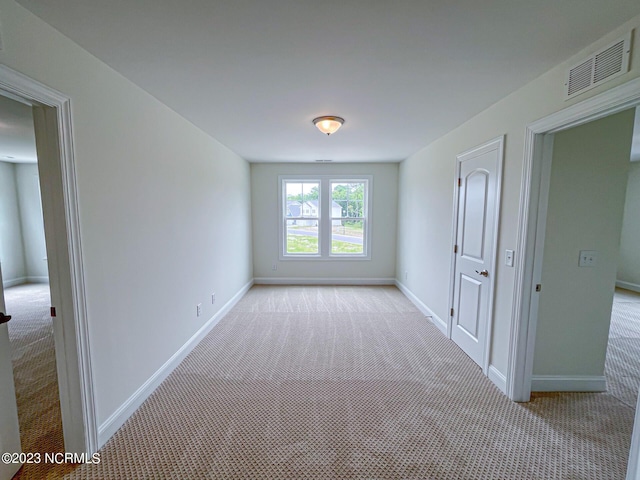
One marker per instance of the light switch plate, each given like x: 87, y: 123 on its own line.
x: 508, y: 258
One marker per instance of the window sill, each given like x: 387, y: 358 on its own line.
x: 332, y: 258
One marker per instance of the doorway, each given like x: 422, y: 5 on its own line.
x: 52, y: 123
x: 535, y: 184
x: 622, y: 368
x: 23, y: 254
x: 579, y: 253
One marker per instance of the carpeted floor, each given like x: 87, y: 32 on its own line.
x: 622, y: 367
x: 335, y: 382
x: 353, y: 382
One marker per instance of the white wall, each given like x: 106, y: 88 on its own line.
x: 35, y: 248
x: 427, y: 179
x: 164, y: 210
x: 264, y: 188
x: 22, y: 244
x: 629, y: 260
x: 11, y: 245
x: 586, y: 201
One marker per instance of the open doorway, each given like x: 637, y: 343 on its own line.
x: 23, y: 253
x: 583, y: 223
x: 587, y: 334
x: 52, y: 124
x: 579, y: 328
x: 623, y: 351
x: 539, y: 144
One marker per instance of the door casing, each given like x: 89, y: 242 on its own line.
x: 532, y: 219
x: 56, y: 165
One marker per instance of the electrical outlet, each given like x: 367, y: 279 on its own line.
x: 588, y: 258
x: 213, y: 298
x: 274, y: 266
x: 199, y: 309
x: 406, y: 275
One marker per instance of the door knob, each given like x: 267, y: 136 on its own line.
x: 484, y: 273
x: 4, y: 318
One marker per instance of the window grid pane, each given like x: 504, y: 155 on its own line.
x: 347, y: 236
x: 302, y: 200
x: 347, y: 218
x: 302, y: 217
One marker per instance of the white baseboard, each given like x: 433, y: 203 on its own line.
x: 437, y: 321
x: 22, y: 280
x: 14, y: 281
x: 37, y: 279
x: 322, y: 281
x: 634, y: 287
x: 498, y: 378
x: 117, y: 419
x: 568, y: 383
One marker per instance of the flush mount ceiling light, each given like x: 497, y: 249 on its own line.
x: 328, y: 124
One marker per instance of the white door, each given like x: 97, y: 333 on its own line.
x: 478, y: 199
x: 9, y: 431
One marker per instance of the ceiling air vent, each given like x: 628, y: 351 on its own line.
x: 600, y: 67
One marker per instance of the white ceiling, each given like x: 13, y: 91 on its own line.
x: 254, y: 73
x: 17, y: 137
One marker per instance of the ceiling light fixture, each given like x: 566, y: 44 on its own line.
x: 328, y: 124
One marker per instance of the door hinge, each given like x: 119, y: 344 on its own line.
x: 53, y: 311
x: 538, y: 287
x: 455, y: 249
x: 451, y: 312
x: 459, y: 182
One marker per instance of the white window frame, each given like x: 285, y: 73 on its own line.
x: 325, y: 218
x: 283, y: 218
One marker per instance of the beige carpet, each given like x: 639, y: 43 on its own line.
x: 35, y: 377
x: 341, y: 382
x: 622, y: 367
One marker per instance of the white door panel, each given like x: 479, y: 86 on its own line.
x: 470, y: 299
x: 9, y: 430
x: 474, y: 215
x: 479, y: 175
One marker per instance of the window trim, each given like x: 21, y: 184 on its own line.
x: 282, y: 218
x: 324, y: 224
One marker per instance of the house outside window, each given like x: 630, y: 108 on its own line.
x: 325, y: 217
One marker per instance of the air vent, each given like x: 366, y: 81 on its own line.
x: 600, y: 67
x: 580, y: 77
x: 324, y: 161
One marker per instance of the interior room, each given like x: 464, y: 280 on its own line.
x: 23, y: 258
x: 622, y: 352
x: 325, y: 241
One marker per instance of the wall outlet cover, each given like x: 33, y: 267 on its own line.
x: 588, y: 258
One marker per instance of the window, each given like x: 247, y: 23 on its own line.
x: 301, y: 219
x: 324, y: 217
